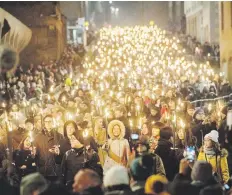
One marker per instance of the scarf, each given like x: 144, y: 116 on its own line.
x: 209, y: 151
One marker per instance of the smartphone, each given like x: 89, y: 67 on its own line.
x: 226, y: 187
x: 134, y: 136
x: 190, y: 153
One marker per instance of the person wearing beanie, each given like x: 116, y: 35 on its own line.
x: 116, y: 181
x: 202, y: 176
x: 140, y: 169
x: 141, y: 149
x: 156, y: 185
x: 211, y: 153
x: 34, y: 183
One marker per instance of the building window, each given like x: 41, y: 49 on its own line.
x: 222, y: 15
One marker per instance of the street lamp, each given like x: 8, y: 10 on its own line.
x: 112, y: 10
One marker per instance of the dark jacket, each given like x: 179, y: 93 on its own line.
x: 119, y: 190
x: 200, y: 130
x: 24, y: 157
x: 46, y: 161
x: 222, y: 131
x: 138, y: 187
x: 92, y: 191
x: 74, y: 160
x: 167, y: 155
x: 191, y: 187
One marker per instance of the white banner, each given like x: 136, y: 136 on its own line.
x: 16, y: 34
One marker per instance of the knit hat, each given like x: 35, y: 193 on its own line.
x: 117, y: 175
x: 213, y: 135
x: 155, y: 183
x: 33, y: 182
x: 202, y: 171
x: 142, y: 167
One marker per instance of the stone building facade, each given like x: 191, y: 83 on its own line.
x: 225, y: 8
x: 48, y: 27
x: 202, y: 20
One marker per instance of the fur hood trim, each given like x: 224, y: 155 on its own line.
x: 111, y: 126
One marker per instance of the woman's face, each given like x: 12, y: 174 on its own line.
x: 144, y: 129
x: 180, y: 134
x: 100, y: 122
x: 208, y: 143
x: 116, y: 130
x: 155, y: 132
x: 70, y: 129
x: 38, y: 123
x: 200, y: 116
x: 190, y: 112
x: 27, y: 143
x: 14, y: 108
x: 80, y: 93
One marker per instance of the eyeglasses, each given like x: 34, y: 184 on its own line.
x: 48, y: 121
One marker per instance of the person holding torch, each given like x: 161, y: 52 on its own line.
x: 117, y: 147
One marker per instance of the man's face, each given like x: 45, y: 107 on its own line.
x: 153, y: 112
x: 38, y: 123
x: 118, y: 114
x: 48, y: 123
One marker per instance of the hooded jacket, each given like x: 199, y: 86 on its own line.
x: 219, y: 164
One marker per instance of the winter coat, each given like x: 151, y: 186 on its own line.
x: 74, y: 160
x: 228, y: 147
x: 189, y: 187
x: 222, y: 131
x: 137, y: 187
x: 119, y: 190
x: 92, y: 191
x: 219, y: 164
x: 24, y: 157
x: 200, y: 130
x: 45, y: 160
x: 167, y: 155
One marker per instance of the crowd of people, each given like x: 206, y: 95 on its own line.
x: 204, y: 51
x: 131, y: 116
